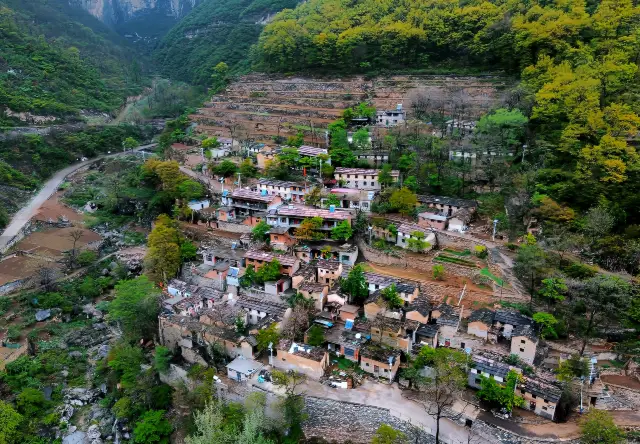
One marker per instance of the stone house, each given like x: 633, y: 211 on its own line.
x: 288, y: 264
x: 408, y: 231
x: 362, y: 179
x: 279, y: 287
x: 419, y: 309
x: 480, y: 322
x: 504, y: 321
x: 350, y: 198
x: 447, y: 205
x: 393, y: 117
x: 541, y: 397
x: 251, y: 206
x: 258, y: 308
x: 280, y: 239
x: 226, y: 214
x: 524, y: 343
x: 427, y: 334
x: 328, y: 271
x: 291, y: 216
x: 489, y: 368
x: 346, y: 253
x: 316, y: 291
x: 437, y: 221
x: 395, y: 333
x: 461, y: 219
x: 301, y: 358
x: 241, y: 369
x: 349, y: 312
x: 380, y: 361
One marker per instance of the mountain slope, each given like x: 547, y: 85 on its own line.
x: 58, y: 60
x: 215, y: 31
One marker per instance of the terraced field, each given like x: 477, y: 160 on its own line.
x: 258, y: 107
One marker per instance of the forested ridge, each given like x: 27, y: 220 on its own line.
x: 215, y: 31
x: 57, y: 60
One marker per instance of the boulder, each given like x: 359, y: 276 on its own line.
x: 75, y: 355
x: 41, y: 315
x: 76, y: 437
x: 93, y: 432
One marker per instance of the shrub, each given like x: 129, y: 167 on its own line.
x: 30, y: 401
x: 152, y: 428
x: 480, y: 251
x: 511, y: 246
x: 13, y: 333
x: 580, y: 271
x: 87, y: 257
x: 162, y: 358
x: 438, y: 272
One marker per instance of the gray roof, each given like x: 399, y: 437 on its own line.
x: 420, y: 304
x: 483, y: 315
x: 244, y: 366
x: 427, y: 330
x: 495, y: 368
x: 453, y: 201
x: 526, y: 331
x: 511, y: 317
x: 541, y: 389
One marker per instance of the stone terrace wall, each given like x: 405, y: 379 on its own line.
x: 234, y: 228
x: 344, y: 421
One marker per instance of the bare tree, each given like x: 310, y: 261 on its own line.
x: 46, y: 276
x: 297, y: 323
x: 75, y: 235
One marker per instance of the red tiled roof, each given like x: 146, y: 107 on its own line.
x: 246, y: 194
x: 265, y: 256
x: 313, y: 212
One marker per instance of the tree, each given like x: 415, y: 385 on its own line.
x: 501, y: 395
x: 248, y: 169
x: 597, y: 427
x: 602, y: 299
x: 163, y: 258
x: 438, y: 272
x: 130, y: 143
x: 190, y: 190
x: 226, y: 168
x: 384, y: 177
x: 403, y: 200
x: 260, y: 232
x: 388, y: 435
x: 445, y: 384
x: 267, y: 336
x: 574, y: 367
x: 210, y: 143
x: 152, y: 427
x: 162, y: 358
x: 342, y: 231
x: 75, y: 235
x: 391, y: 297
x: 125, y: 359
x: 219, y: 77
x: 293, y: 402
x: 355, y: 285
x: 11, y: 420
x: 553, y: 290
x: 361, y: 139
x: 547, y: 323
x: 331, y: 199
x: 188, y: 251
x: 416, y: 242
x: 315, y: 336
x: 411, y: 182
x: 314, y: 196
x: 30, y: 402
x: 297, y: 323
x: 530, y: 265
x: 269, y: 272
x: 136, y: 307
x: 309, y: 229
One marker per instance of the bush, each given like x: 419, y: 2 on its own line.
x: 577, y: 270
x: 511, y: 246
x: 13, y: 333
x: 480, y: 251
x: 30, y: 401
x: 162, y: 358
x: 152, y: 428
x: 438, y: 272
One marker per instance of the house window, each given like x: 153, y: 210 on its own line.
x: 533, y: 395
x: 522, y: 350
x: 462, y: 345
x: 275, y: 237
x: 478, y: 381
x: 283, y: 359
x: 385, y: 370
x: 522, y: 341
x: 365, y: 183
x: 522, y: 391
x: 546, y: 400
x: 366, y: 364
x: 544, y: 408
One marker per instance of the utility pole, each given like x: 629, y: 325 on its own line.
x: 495, y: 226
x: 239, y: 180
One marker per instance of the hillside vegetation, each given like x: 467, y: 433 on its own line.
x: 58, y: 60
x: 215, y: 31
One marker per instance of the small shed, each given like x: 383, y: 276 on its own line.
x: 241, y: 369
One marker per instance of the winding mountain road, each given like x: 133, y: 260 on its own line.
x: 23, y: 216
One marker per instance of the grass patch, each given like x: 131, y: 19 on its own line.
x: 466, y: 252
x: 454, y: 260
x: 522, y: 308
x: 487, y: 273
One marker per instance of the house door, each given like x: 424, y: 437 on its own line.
x: 238, y: 376
x: 376, y: 369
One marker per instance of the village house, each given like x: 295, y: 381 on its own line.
x: 487, y: 367
x: 312, y: 151
x: 301, y: 358
x: 250, y: 206
x: 258, y: 309
x: 427, y: 334
x: 380, y: 361
x: 373, y: 157
x: 540, y: 396
x: 346, y: 342
x: 328, y: 271
x: 346, y: 253
x: 351, y: 198
x: 362, y: 179
x: 288, y: 264
x: 349, y: 312
x: 280, y: 238
x: 242, y: 369
x: 278, y: 287
x: 408, y: 231
x: 437, y: 221
x: 447, y: 205
x: 461, y: 219
x: 394, y: 333
x: 480, y: 322
x: 393, y: 117
x: 199, y: 204
x: 524, y: 343
x: 418, y: 309
x: 285, y: 189
x: 505, y: 321
x: 316, y: 291
x: 264, y: 155
x: 291, y: 216
x: 225, y: 214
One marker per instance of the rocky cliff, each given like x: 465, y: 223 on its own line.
x: 116, y: 12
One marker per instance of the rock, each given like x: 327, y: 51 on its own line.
x: 103, y: 388
x: 93, y: 432
x: 77, y: 437
x: 100, y: 326
x: 103, y: 351
x: 41, y: 315
x: 75, y: 355
x: 96, y: 441
x: 72, y: 429
x: 113, y: 265
x: 87, y: 337
x: 105, y: 272
x: 64, y: 373
x: 76, y: 402
x: 126, y: 436
x: 81, y: 394
x: 47, y: 390
x: 66, y: 412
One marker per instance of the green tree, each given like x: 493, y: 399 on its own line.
x: 293, y: 402
x: 403, y: 200
x: 391, y: 297
x: 530, y: 266
x: 315, y: 336
x: 361, y: 139
x: 4, y: 217
x: 136, y: 307
x: 210, y: 143
x: 269, y: 272
x: 188, y: 251
x: 597, y: 427
x: 190, y: 190
x: 411, y: 182
x: 163, y: 258
x: 309, y: 229
x: 260, y: 232
x: 503, y: 395
x: 226, y: 168
x: 220, y: 76
x: 266, y: 336
x: 547, y: 323
x: 130, y: 143
x: 552, y: 290
x: 355, y: 284
x: 248, y: 169
x: 30, y: 402
x: 388, y: 435
x: 438, y: 272
x: 342, y: 231
x: 125, y: 360
x: 416, y: 242
x: 162, y: 358
x: 332, y: 199
x: 152, y: 427
x: 384, y: 177
x: 11, y: 424
x: 314, y: 196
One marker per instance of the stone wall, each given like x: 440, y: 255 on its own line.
x: 457, y: 241
x: 234, y: 228
x: 345, y: 421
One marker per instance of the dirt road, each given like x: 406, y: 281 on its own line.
x: 23, y: 216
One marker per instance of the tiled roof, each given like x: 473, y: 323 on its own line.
x: 278, y: 183
x: 367, y: 171
x: 464, y: 214
x: 483, y: 315
x: 495, y: 368
x: 427, y: 330
x: 302, y: 350
x: 430, y: 199
x: 541, y: 389
x: 278, y: 230
x: 421, y: 305
x: 263, y: 305
x: 410, y: 228
x: 511, y: 317
x: 266, y: 256
x: 526, y: 331
x: 379, y: 353
x: 432, y: 216
x: 299, y: 211
x: 246, y: 194
x: 312, y: 287
x: 306, y: 150
x: 326, y: 264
